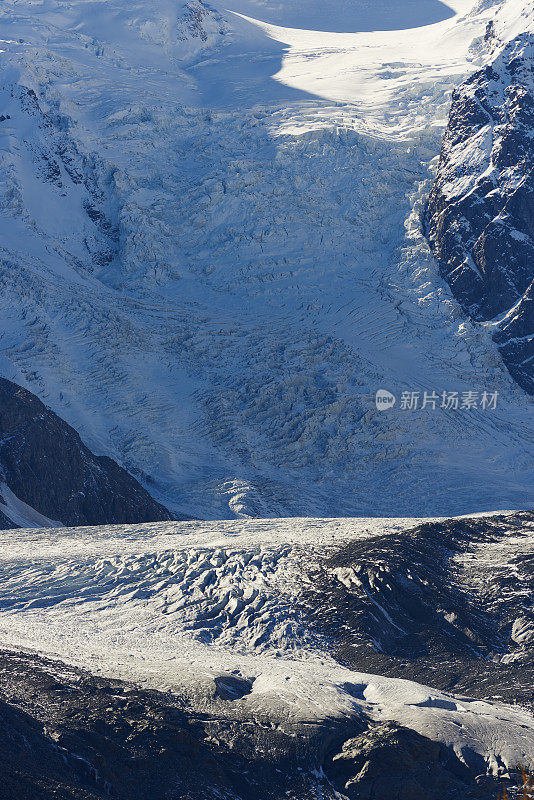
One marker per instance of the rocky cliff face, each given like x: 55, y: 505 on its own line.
x: 45, y: 465
x: 480, y: 218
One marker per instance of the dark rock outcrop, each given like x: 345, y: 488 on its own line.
x: 46, y: 465
x: 480, y: 216
x: 447, y: 604
x: 5, y: 522
x: 68, y: 735
x: 389, y: 761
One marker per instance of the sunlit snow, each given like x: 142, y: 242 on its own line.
x: 212, y: 253
x: 175, y: 606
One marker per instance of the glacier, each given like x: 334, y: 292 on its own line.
x: 212, y: 254
x: 212, y: 257
x: 210, y: 613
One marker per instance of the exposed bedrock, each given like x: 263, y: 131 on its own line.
x: 46, y: 465
x: 447, y: 604
x: 480, y: 215
x: 68, y: 735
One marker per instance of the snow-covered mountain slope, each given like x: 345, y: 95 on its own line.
x: 480, y: 213
x: 215, y: 614
x: 212, y: 255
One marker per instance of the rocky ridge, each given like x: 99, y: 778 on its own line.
x: 447, y: 604
x: 46, y: 466
x: 480, y: 214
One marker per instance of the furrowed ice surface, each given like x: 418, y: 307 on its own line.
x: 211, y: 257
x: 212, y: 254
x: 189, y: 606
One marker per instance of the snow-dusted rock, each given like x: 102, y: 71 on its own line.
x: 481, y: 208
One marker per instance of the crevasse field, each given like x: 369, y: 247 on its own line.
x: 212, y: 256
x: 180, y: 606
x: 212, y: 252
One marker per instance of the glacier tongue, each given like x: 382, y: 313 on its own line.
x: 212, y: 257
x: 210, y: 612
